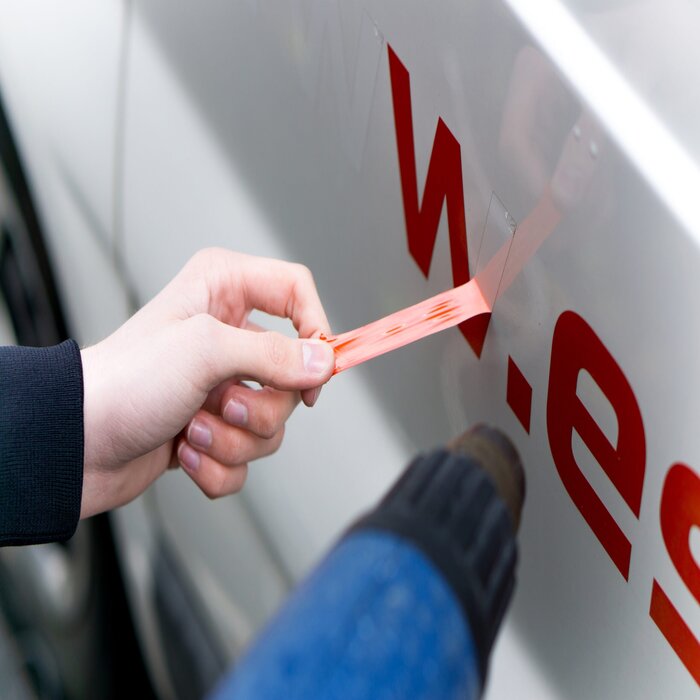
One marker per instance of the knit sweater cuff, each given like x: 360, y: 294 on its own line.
x: 41, y: 443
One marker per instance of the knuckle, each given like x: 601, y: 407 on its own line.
x: 200, y: 257
x: 228, y: 480
x: 304, y: 278
x: 277, y: 439
x: 215, y: 487
x: 275, y: 347
x: 220, y: 487
x: 212, y: 492
x: 209, y: 492
x: 204, y: 256
x: 210, y: 488
x: 198, y: 261
x: 239, y: 480
x: 304, y: 273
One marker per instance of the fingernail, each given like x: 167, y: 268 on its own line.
x: 318, y: 357
x: 235, y: 413
x: 314, y: 396
x: 199, y: 434
x: 189, y: 457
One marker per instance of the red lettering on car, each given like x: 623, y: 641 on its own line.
x: 443, y: 183
x: 576, y: 347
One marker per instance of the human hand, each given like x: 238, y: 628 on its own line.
x: 166, y: 386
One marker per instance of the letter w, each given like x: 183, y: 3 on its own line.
x: 443, y: 183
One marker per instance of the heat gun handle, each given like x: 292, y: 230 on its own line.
x: 375, y: 620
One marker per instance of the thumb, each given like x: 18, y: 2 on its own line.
x: 269, y: 358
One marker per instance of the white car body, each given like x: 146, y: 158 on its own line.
x: 153, y: 129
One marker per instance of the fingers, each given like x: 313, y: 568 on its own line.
x: 212, y: 477
x: 308, y: 396
x: 229, y: 445
x: 217, y: 448
x: 285, y: 289
x: 214, y: 399
x: 236, y: 425
x: 269, y: 358
x: 277, y: 287
x: 262, y: 412
x: 214, y: 451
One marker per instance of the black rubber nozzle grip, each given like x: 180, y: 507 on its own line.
x: 461, y: 506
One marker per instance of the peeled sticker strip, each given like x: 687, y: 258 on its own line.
x: 454, y: 306
x: 408, y: 325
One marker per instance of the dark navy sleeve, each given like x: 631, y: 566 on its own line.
x: 41, y: 443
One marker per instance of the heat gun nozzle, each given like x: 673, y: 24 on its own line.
x: 496, y: 455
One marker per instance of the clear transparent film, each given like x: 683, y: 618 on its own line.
x: 494, y: 250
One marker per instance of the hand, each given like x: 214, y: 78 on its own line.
x: 166, y: 386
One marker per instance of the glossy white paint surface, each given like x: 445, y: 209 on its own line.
x: 59, y: 66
